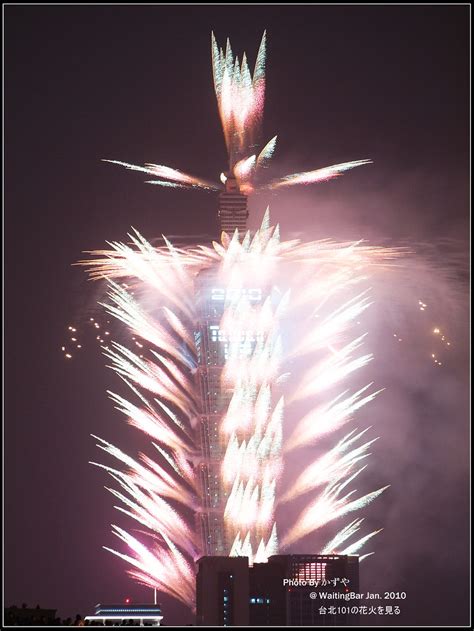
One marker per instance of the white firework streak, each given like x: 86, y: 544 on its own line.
x: 172, y: 177
x: 161, y: 567
x: 327, y: 507
x: 332, y: 464
x: 318, y: 175
x: 267, y: 152
x: 161, y: 492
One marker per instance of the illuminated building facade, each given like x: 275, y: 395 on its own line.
x: 127, y: 614
x: 289, y: 590
x: 334, y: 575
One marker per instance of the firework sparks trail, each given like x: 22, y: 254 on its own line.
x: 159, y: 492
x: 240, y: 101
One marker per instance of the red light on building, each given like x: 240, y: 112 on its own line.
x: 127, y: 601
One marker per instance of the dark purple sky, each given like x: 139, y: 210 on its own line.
x: 134, y: 83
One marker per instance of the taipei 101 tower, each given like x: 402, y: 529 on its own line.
x: 212, y: 352
x: 215, y: 376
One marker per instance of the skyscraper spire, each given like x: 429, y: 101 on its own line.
x: 232, y: 212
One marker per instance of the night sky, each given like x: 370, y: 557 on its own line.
x: 134, y: 83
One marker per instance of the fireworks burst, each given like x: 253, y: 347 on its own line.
x: 218, y: 368
x: 246, y: 281
x: 240, y: 99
